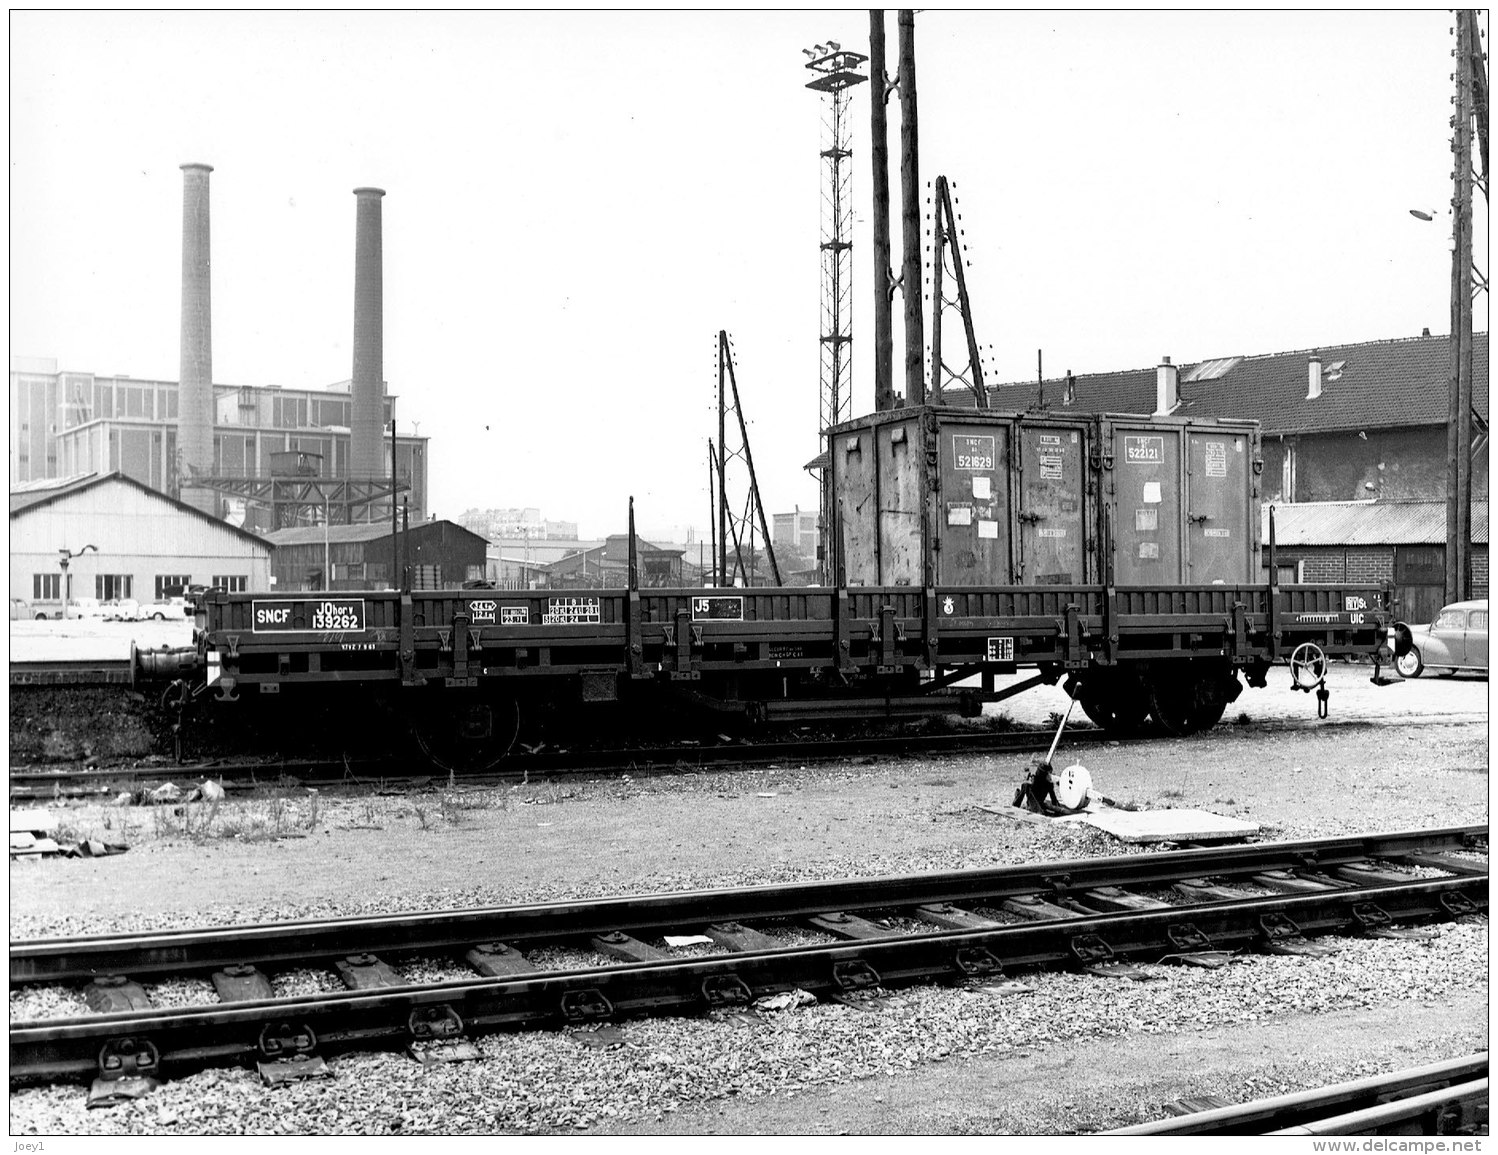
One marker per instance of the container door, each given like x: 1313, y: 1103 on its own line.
x: 1052, y: 549
x: 1220, y: 481
x: 973, y: 503
x: 1147, y: 505
x: 901, y: 524
x: 855, y: 499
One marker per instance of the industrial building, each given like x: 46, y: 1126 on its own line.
x: 67, y: 423
x: 121, y: 539
x: 441, y: 555
x: 261, y: 456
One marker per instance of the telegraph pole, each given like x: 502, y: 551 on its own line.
x: 910, y: 213
x: 884, y: 341
x: 1459, y: 417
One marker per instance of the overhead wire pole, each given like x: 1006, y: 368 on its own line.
x: 836, y: 72
x: 910, y: 213
x: 884, y: 288
x: 1459, y: 416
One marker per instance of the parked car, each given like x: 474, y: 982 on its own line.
x: 1456, y: 640
x: 165, y: 610
x: 84, y: 608
x: 21, y: 611
x: 121, y: 610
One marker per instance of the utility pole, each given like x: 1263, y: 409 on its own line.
x: 1459, y: 417
x: 884, y: 289
x: 910, y: 213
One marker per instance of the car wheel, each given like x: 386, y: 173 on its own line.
x: 158, y: 617
x: 41, y: 617
x: 1409, y: 664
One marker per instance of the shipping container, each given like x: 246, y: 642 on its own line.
x: 962, y: 497
x: 1181, y: 498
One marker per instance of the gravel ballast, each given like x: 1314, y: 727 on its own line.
x: 926, y: 1059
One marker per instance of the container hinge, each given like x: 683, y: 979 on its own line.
x: 128, y: 1069
x: 886, y: 638
x: 288, y: 1054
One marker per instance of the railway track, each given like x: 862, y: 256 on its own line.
x: 1101, y: 915
x: 666, y: 758
x: 1445, y: 1098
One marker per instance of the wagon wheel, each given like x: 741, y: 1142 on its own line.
x: 1118, y: 705
x: 1173, y: 704
x: 465, y: 735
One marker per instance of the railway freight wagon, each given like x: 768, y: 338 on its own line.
x: 1159, y: 617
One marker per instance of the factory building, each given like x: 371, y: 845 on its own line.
x: 122, y: 539
x: 440, y: 554
x: 68, y: 423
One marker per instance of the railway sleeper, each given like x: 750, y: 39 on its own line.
x: 241, y: 984
x: 115, y: 994
x: 497, y: 960
x: 367, y: 972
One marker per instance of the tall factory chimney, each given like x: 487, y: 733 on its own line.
x: 367, y: 422
x: 195, y: 379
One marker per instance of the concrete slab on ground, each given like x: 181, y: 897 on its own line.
x: 1168, y: 825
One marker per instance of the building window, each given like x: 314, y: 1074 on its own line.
x: 46, y: 587
x: 234, y: 583
x: 108, y: 586
x: 171, y: 585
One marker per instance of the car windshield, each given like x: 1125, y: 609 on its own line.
x: 1451, y: 620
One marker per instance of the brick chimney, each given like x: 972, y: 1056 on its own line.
x: 1167, y: 387
x: 367, y: 421
x: 195, y: 375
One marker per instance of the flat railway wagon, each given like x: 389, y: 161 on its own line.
x: 463, y: 669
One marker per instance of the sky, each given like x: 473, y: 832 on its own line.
x: 578, y: 202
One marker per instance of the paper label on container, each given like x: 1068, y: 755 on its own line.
x: 981, y: 488
x: 1218, y: 532
x: 988, y: 529
x: 1217, y: 459
x: 1152, y: 492
x: 1051, y: 532
x: 1147, y: 519
x: 1149, y: 549
x: 1051, y: 466
x: 959, y: 515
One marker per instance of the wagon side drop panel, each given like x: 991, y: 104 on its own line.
x: 1219, y: 477
x: 974, y: 518
x: 1146, y: 503
x: 902, y: 539
x: 853, y: 468
x: 1051, y: 504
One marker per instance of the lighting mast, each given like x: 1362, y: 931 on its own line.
x: 836, y: 72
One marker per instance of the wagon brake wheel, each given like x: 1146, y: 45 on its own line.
x: 1308, y: 666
